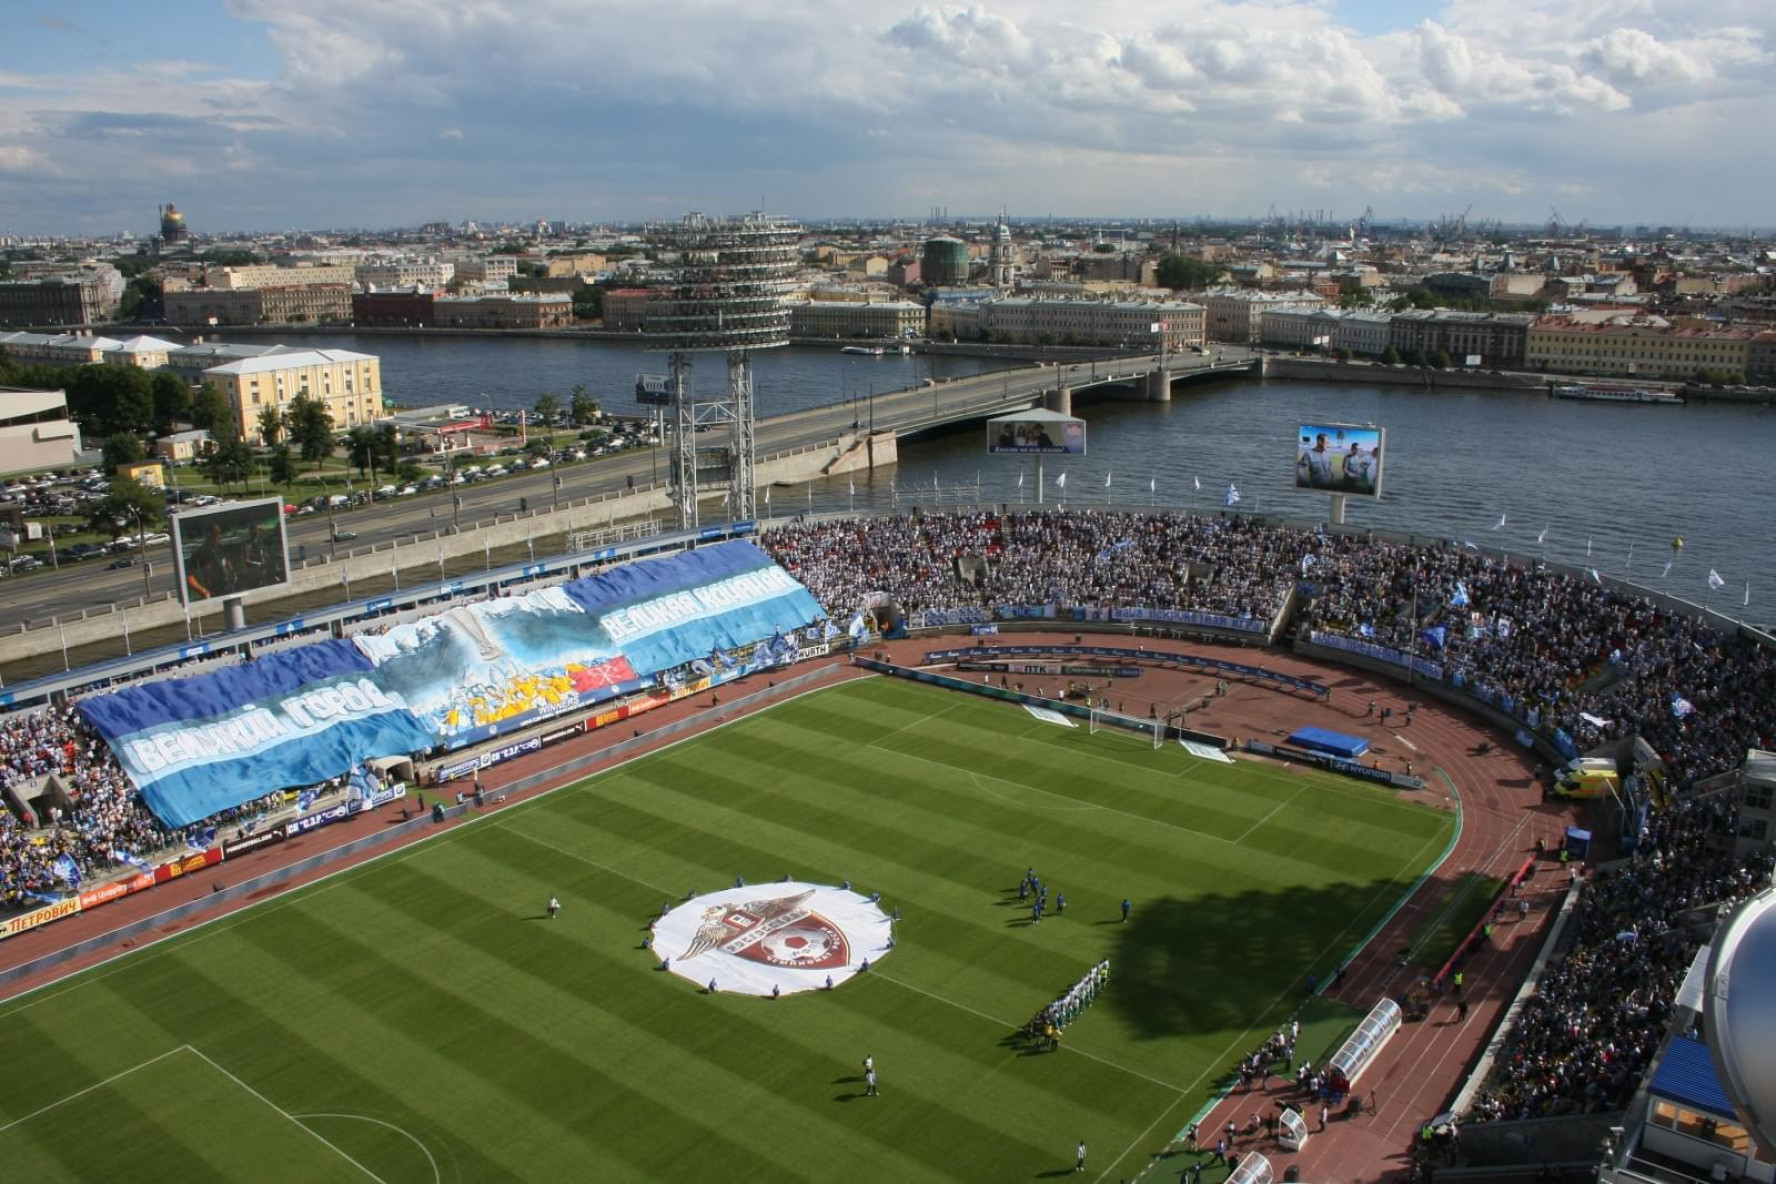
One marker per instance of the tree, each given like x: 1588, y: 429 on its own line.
x: 108, y: 399
x: 229, y: 462
x: 171, y: 396
x: 1179, y: 272
x: 362, y: 448
x: 583, y: 408
x: 410, y: 472
x: 538, y: 448
x: 211, y: 412
x: 1390, y: 356
x: 282, y: 465
x: 1440, y: 359
x: 547, y: 404
x: 123, y: 448
x: 310, y: 428
x: 271, y: 424
x: 128, y: 502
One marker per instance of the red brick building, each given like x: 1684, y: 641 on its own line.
x: 394, y: 307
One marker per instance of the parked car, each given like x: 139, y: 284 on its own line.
x: 157, y: 539
x: 85, y: 551
x: 26, y: 563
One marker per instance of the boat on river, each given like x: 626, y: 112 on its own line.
x: 1592, y: 393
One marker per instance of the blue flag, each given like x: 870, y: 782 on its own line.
x: 1460, y: 599
x: 1436, y: 635
x: 131, y: 858
x: 202, y: 839
x: 66, y: 869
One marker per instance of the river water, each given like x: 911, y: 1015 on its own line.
x: 1611, y: 486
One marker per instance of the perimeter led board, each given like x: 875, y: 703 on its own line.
x: 1339, y: 458
x: 230, y: 550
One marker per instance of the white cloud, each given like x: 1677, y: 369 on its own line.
x: 644, y: 104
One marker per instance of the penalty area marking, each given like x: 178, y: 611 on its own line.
x: 330, y: 1145
x: 980, y: 783
x: 80, y: 1093
x: 437, y: 1176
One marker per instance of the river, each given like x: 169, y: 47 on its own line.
x: 1610, y: 485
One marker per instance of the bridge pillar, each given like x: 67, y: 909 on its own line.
x: 1058, y: 399
x: 1159, y: 385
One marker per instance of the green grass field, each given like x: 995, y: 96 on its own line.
x: 411, y: 1020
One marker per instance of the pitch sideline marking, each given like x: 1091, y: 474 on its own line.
x: 1275, y: 810
x: 437, y: 1175
x: 89, y: 1089
x: 667, y: 892
x: 318, y: 1136
x: 1008, y: 1024
x: 981, y: 785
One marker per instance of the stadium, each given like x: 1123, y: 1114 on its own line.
x: 976, y: 844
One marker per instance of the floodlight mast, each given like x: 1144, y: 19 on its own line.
x: 721, y: 288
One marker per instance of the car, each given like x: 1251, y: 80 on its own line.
x: 387, y: 491
x: 541, y: 462
x: 26, y: 563
x: 495, y: 471
x: 120, y: 562
x: 124, y: 542
x: 344, y: 536
x: 304, y: 509
x: 85, y: 551
x: 407, y: 491
x: 157, y: 539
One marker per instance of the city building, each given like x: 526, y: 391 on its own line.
x: 1363, y: 333
x: 348, y: 384
x: 625, y: 309
x: 1299, y: 328
x: 1001, y: 271
x: 292, y: 304
x: 172, y: 224
x: 74, y: 298
x: 1497, y: 340
x: 431, y: 274
x: 63, y: 349
x: 267, y: 275
x: 1760, y: 359
x: 852, y: 318
x: 182, y: 446
x: 1122, y: 323
x: 35, y: 431
x: 1237, y: 316
x: 486, y: 269
x: 545, y: 310
x: 412, y: 307
x: 189, y: 362
x: 1627, y: 347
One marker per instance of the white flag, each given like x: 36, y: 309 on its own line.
x: 767, y: 498
x: 1595, y: 576
x: 725, y: 499
x: 1020, y: 480
x: 1543, y: 537
x: 1106, y: 480
x: 1714, y: 579
x: 853, y: 486
x: 1587, y: 548
x: 1747, y: 593
x: 1667, y: 570
x: 1500, y: 524
x: 1061, y: 481
x: 1630, y: 562
x: 1199, y: 483
x: 1233, y: 494
x: 1153, y: 485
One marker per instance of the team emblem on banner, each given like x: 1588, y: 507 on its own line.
x: 789, y: 936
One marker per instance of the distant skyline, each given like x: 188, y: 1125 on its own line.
x: 280, y: 114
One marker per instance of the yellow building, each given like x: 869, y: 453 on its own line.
x: 1633, y: 348
x: 348, y: 384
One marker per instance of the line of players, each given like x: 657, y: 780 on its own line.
x: 1048, y: 1024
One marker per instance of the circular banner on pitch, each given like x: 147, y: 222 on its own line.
x: 788, y: 935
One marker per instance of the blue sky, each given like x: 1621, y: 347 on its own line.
x: 272, y: 114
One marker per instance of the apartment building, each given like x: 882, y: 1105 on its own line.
x: 78, y: 298
x: 1497, y: 339
x: 268, y: 275
x: 486, y: 269
x: 1628, y: 347
x: 848, y: 318
x: 543, y: 310
x: 64, y: 349
x: 431, y: 274
x: 293, y: 304
x: 1129, y: 323
x: 1237, y: 316
x: 348, y: 384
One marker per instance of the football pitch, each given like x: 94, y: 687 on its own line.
x: 419, y: 1019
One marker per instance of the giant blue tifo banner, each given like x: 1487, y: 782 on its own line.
x: 196, y: 746
x: 663, y: 613
x: 489, y: 667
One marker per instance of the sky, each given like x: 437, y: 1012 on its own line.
x: 279, y: 114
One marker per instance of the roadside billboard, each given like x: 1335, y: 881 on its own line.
x: 1339, y: 458
x: 1036, y: 433
x: 653, y: 390
x: 230, y: 550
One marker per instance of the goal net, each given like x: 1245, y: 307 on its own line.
x: 1153, y: 731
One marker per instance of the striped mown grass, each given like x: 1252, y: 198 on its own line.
x: 415, y: 1017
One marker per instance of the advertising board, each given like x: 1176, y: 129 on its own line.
x: 1036, y: 433
x: 1339, y: 458
x: 230, y: 550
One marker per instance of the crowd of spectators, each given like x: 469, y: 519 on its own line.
x: 1584, y: 1039
x: 1593, y: 660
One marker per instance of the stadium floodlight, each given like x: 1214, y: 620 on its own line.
x: 721, y: 288
x: 1739, y: 1012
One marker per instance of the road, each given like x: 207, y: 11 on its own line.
x: 43, y: 595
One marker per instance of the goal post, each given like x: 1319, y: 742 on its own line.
x: 1151, y: 730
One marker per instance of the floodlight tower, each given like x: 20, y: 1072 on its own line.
x: 721, y: 290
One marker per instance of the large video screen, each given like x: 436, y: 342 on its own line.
x: 230, y: 550
x: 1042, y: 437
x: 1339, y: 458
